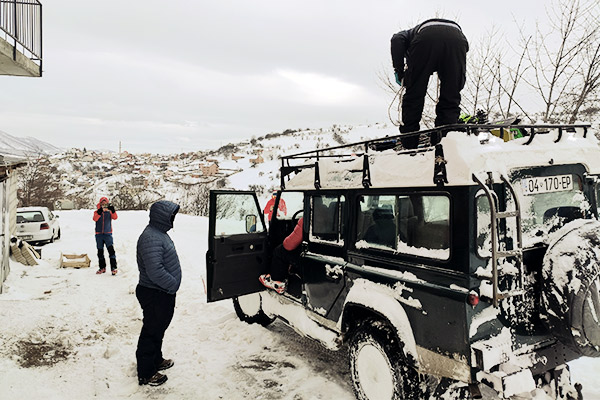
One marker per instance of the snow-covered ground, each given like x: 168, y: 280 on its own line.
x: 91, y: 323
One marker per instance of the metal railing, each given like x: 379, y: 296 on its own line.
x: 21, y: 20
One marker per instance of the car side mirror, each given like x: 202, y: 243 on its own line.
x: 56, y: 216
x: 251, y: 223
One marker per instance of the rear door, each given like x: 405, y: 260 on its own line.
x: 237, y: 245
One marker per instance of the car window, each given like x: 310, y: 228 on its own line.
x: 416, y: 224
x: 289, y: 204
x: 484, y: 228
x: 29, y: 216
x: 549, y: 202
x: 233, y: 212
x: 326, y: 223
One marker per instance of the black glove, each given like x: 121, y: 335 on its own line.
x: 111, y: 208
x: 99, y: 211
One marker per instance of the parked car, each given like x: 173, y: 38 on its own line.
x: 473, y: 263
x: 37, y: 225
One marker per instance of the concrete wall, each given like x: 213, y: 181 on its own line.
x: 21, y: 66
x: 8, y: 222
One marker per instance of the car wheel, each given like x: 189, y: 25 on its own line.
x: 249, y: 309
x: 58, y: 235
x: 378, y: 366
x: 51, y: 238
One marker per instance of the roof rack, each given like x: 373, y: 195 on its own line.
x: 358, y: 149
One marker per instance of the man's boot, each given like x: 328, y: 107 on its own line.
x: 101, y: 262
x: 113, y: 265
x: 113, y: 259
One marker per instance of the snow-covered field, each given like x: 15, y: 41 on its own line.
x: 91, y: 323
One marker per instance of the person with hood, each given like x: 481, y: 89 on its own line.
x: 103, y: 217
x: 160, y: 277
x: 436, y: 45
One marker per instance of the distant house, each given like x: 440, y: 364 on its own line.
x: 64, y: 204
x: 257, y: 160
x: 210, y: 169
x: 235, y: 157
x: 8, y: 203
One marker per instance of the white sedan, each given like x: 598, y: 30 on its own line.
x: 37, y: 224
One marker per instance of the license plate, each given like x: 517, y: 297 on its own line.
x: 26, y: 237
x: 547, y: 184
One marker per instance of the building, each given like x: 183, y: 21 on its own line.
x: 21, y: 39
x: 257, y: 160
x: 209, y: 169
x: 20, y: 55
x: 8, y: 205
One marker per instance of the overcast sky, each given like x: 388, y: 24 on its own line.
x: 172, y: 76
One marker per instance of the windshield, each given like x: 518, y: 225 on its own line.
x: 29, y: 216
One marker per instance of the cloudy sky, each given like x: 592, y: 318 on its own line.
x: 172, y: 76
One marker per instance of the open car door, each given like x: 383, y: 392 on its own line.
x: 237, y: 245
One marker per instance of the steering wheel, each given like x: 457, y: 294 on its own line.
x: 295, y: 216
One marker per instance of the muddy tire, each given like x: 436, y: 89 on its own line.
x: 248, y: 308
x: 378, y: 366
x: 571, y: 287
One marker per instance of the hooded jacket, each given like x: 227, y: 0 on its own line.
x: 156, y: 255
x: 104, y: 220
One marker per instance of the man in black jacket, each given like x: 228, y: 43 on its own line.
x: 434, y: 45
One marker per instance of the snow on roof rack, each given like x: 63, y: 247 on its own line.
x: 349, y: 152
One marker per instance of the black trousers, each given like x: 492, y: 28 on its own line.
x: 441, y: 49
x: 158, y: 308
x: 281, y: 261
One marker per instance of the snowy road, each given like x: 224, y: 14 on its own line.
x: 87, y: 325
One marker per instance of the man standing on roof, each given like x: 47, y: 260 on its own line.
x: 103, y: 217
x: 436, y: 45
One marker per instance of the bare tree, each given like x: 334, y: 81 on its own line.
x: 38, y: 183
x: 134, y: 198
x: 564, y: 58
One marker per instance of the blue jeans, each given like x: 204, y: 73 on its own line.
x: 101, y: 240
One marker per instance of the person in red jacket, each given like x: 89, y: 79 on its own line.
x: 283, y: 255
x: 103, y: 217
x: 271, y: 205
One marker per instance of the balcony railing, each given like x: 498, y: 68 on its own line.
x: 21, y: 21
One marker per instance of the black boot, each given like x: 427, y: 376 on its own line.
x: 113, y: 265
x: 113, y: 259
x: 101, y: 262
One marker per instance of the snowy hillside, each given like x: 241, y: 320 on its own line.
x: 26, y: 146
x: 89, y: 325
x: 252, y: 164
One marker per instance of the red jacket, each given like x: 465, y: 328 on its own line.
x: 295, y: 238
x: 104, y: 220
x: 271, y: 204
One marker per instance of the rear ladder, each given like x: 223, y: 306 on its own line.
x: 517, y: 251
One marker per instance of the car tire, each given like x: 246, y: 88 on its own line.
x: 378, y: 367
x: 571, y: 287
x: 51, y: 238
x: 58, y: 235
x: 248, y: 308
